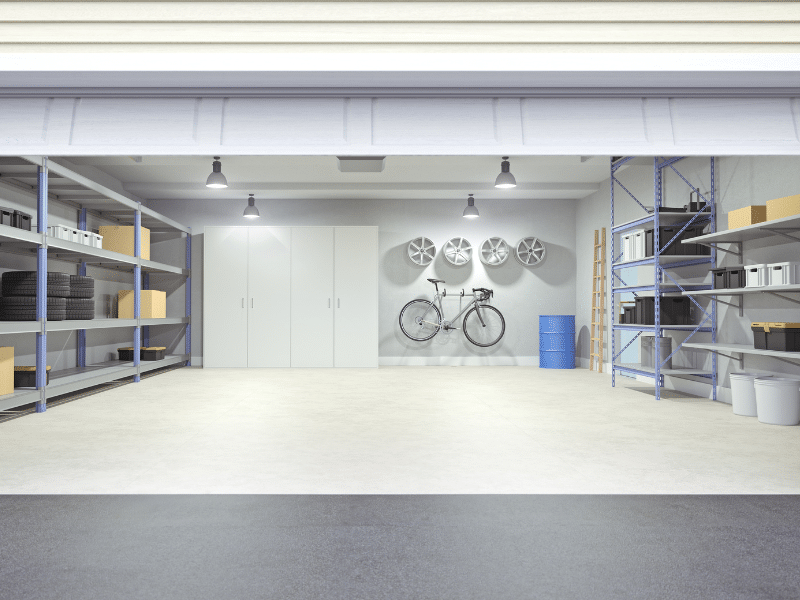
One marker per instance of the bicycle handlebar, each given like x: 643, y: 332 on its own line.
x: 488, y: 293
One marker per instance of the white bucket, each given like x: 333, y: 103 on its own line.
x: 743, y: 393
x: 778, y: 400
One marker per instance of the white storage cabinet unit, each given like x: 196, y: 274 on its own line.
x: 290, y: 296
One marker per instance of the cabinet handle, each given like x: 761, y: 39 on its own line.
x: 251, y: 303
x: 338, y: 303
x: 242, y: 302
x: 329, y: 302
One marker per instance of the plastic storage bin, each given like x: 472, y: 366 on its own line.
x: 780, y: 337
x: 743, y: 394
x: 7, y: 216
x: 22, y: 220
x: 26, y: 376
x: 95, y: 240
x: 557, y: 341
x: 736, y: 278
x: 784, y: 273
x: 637, y: 242
x: 756, y: 276
x: 720, y: 278
x: 647, y: 350
x: 61, y: 232
x: 674, y: 311
x: 153, y: 353
x: 778, y: 400
x: 629, y: 315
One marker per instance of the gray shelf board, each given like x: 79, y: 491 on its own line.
x: 152, y: 266
x: 637, y: 327
x: 106, y: 257
x: 652, y: 371
x: 741, y: 349
x: 664, y: 259
x: 750, y: 290
x: 10, y: 327
x: 750, y: 232
x: 671, y: 218
x: 666, y: 290
x: 66, y: 381
x: 12, y: 234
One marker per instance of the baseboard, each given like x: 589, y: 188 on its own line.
x: 458, y: 361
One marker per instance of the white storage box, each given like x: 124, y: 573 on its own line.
x: 61, y: 232
x: 96, y: 240
x: 627, y: 247
x: 637, y: 236
x: 784, y: 273
x: 84, y: 237
x: 756, y: 275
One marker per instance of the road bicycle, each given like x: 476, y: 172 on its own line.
x: 483, y: 324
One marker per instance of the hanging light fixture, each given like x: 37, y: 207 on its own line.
x: 505, y: 179
x: 471, y: 212
x: 251, y: 212
x: 216, y: 179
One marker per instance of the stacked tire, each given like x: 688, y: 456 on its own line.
x: 19, y: 296
x: 68, y: 296
x: 80, y: 304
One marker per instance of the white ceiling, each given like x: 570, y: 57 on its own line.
x: 318, y: 177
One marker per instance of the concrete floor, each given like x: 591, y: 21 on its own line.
x: 395, y: 430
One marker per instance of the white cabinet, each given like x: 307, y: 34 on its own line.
x: 305, y: 296
x: 225, y: 297
x: 356, y: 291
x: 312, y: 296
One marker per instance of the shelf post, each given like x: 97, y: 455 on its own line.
x: 137, y: 290
x: 713, y: 226
x: 613, y: 311
x: 82, y: 271
x: 657, y: 188
x: 146, y: 328
x: 188, y: 284
x: 41, y: 287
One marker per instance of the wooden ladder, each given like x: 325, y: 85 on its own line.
x: 598, y: 300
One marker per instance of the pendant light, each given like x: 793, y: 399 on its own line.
x: 505, y: 179
x: 216, y: 179
x: 471, y: 212
x: 251, y: 212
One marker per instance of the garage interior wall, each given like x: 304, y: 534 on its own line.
x: 521, y: 293
x: 741, y: 181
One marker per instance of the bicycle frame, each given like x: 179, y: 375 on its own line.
x: 437, y: 298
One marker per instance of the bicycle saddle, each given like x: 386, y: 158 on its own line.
x: 436, y: 281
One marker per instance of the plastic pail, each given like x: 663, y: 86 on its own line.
x: 557, y: 341
x: 743, y: 394
x: 778, y: 400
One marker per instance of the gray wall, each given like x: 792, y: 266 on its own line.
x: 520, y: 293
x: 741, y: 181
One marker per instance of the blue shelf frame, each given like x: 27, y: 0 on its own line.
x: 141, y: 281
x: 708, y: 323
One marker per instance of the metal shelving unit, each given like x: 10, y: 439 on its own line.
x: 787, y: 230
x: 664, y: 284
x: 119, y: 209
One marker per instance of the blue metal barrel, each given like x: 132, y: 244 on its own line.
x: 557, y: 341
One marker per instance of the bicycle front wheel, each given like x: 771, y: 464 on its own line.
x: 488, y: 332
x: 420, y: 320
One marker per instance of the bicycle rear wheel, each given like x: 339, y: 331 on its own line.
x: 487, y: 333
x: 420, y: 320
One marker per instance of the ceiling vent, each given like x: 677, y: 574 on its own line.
x: 361, y: 164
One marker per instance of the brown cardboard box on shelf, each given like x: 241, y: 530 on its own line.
x: 749, y: 215
x: 119, y: 238
x: 6, y: 370
x: 783, y: 207
x: 154, y: 304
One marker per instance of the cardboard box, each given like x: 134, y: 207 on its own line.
x: 749, y: 215
x: 154, y: 304
x: 783, y: 207
x: 120, y: 239
x: 6, y: 370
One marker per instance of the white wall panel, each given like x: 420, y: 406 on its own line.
x: 433, y: 121
x: 277, y: 121
x: 386, y: 126
x: 756, y: 120
x: 578, y: 120
x: 24, y: 120
x: 135, y: 121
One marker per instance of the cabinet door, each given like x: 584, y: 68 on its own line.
x: 268, y: 303
x: 356, y: 285
x: 224, y: 297
x: 312, y: 296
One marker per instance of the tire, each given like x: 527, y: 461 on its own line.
x: 57, y: 315
x: 477, y: 333
x: 81, y: 293
x: 417, y: 320
x: 79, y: 316
x: 80, y: 305
x: 81, y: 280
x: 29, y: 303
x: 59, y: 291
x: 30, y: 277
